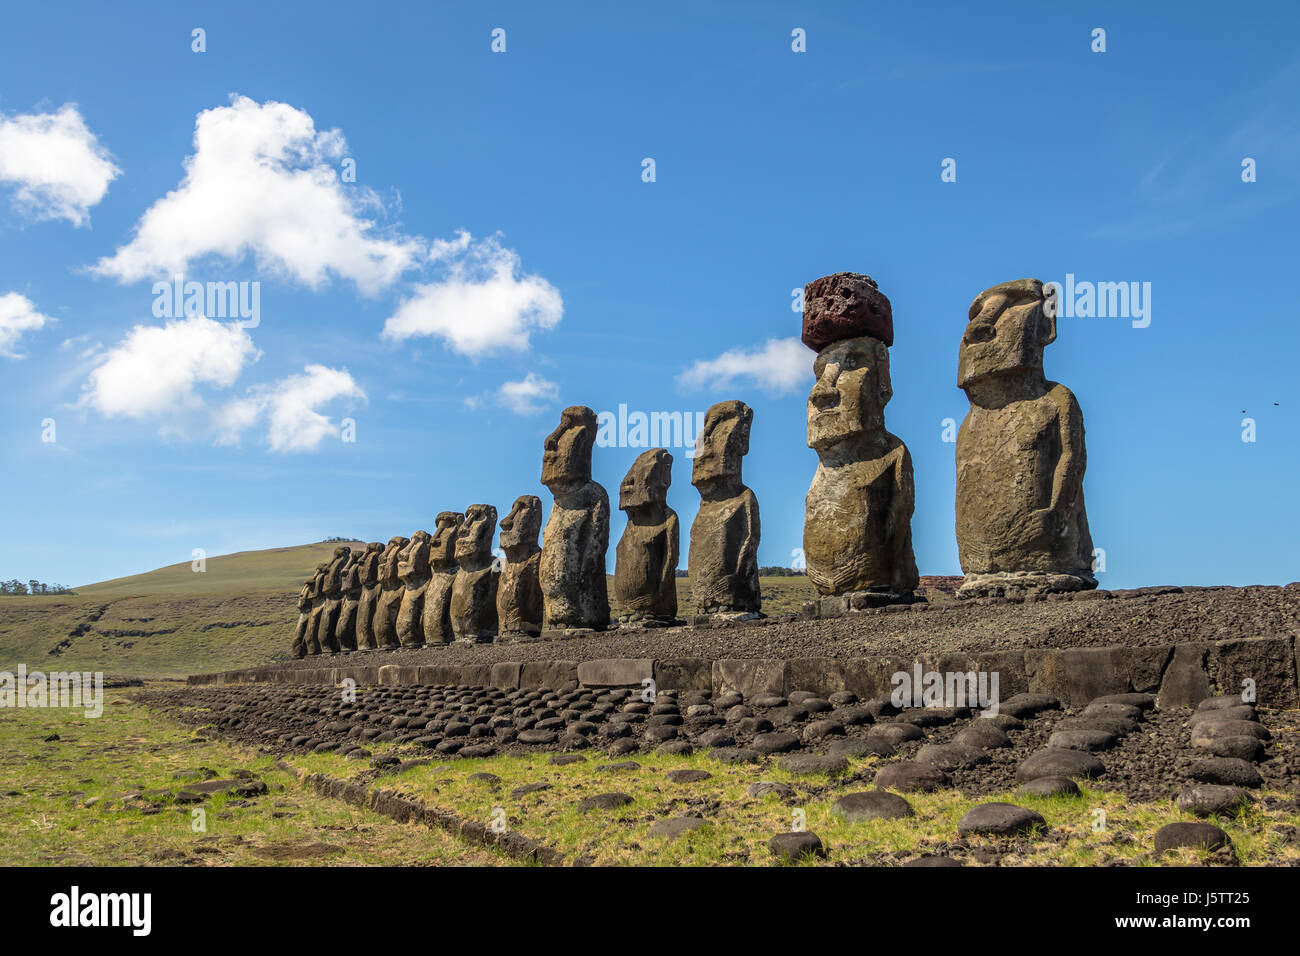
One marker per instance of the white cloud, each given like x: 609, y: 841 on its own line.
x: 263, y: 182
x: 17, y: 315
x: 290, y: 409
x: 529, y: 395
x: 778, y: 366
x: 57, y: 163
x: 483, y: 304
x: 155, y: 369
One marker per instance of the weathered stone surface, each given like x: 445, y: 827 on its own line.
x: 1058, y: 762
x: 1049, y: 787
x: 907, y: 775
x: 999, y: 819
x: 604, y: 801
x: 1021, y: 521
x: 1229, y: 771
x: 1243, y: 748
x: 519, y: 591
x: 790, y: 847
x: 764, y: 787
x: 1082, y: 739
x: 857, y: 534
x: 1186, y: 680
x: 861, y: 747
x: 1201, y: 835
x: 436, y: 617
x: 413, y: 570
x: 616, y: 672
x: 723, y: 558
x: 332, y: 591
x: 1269, y: 663
x: 1208, y: 799
x: 473, y: 608
x: 1028, y: 705
x: 673, y: 827
x: 391, y: 590
x: 369, y: 576
x: 983, y: 733
x: 872, y: 805
x: 751, y: 677
x: 803, y: 763
x: 645, y: 569
x: 845, y: 305
x: 299, y: 646
x: 1079, y: 675
x: 345, y: 631
x: 951, y: 756
x: 572, y: 568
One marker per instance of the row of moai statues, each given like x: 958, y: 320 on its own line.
x: 447, y: 587
x: 1021, y: 524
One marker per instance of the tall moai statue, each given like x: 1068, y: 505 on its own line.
x: 368, y: 577
x: 333, y: 590
x: 317, y: 596
x: 299, y: 648
x: 572, y: 568
x: 474, y: 592
x: 391, y: 589
x: 413, y: 569
x: 519, y: 592
x: 345, y: 631
x: 436, y: 618
x: 1021, y: 523
x: 857, y: 531
x: 645, y: 563
x: 723, y: 558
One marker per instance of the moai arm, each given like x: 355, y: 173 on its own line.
x: 668, y: 581
x: 600, y: 532
x: 902, y: 505
x: 748, y: 556
x: 1068, y: 477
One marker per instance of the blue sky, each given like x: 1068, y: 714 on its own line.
x: 499, y: 200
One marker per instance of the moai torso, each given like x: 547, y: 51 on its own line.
x: 391, y: 590
x: 413, y: 570
x: 519, y: 591
x: 436, y: 617
x: 1021, y: 521
x: 645, y: 569
x: 345, y: 631
x: 474, y: 591
x: 723, y: 558
x: 299, y: 648
x: 572, y: 567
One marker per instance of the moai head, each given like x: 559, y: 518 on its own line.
x: 392, y: 554
x: 852, y: 389
x: 520, y: 528
x: 474, y: 543
x: 845, y: 305
x: 442, y: 547
x: 566, y: 460
x: 374, y: 547
x: 419, y: 568
x: 722, y: 445
x: 646, y: 483
x: 1007, y: 330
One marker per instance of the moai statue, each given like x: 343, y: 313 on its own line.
x: 436, y: 619
x: 333, y: 591
x: 311, y: 637
x: 345, y: 631
x: 723, y: 559
x: 519, y: 593
x: 391, y: 589
x: 299, y: 648
x: 368, y: 577
x: 1021, y: 524
x: 857, y: 532
x: 572, y: 567
x: 474, y: 592
x: 645, y: 563
x: 413, y: 569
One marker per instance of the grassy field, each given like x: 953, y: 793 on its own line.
x: 105, y: 792
x: 238, y: 612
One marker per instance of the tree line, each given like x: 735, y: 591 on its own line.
x: 32, y: 587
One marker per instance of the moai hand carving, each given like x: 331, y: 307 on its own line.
x: 1021, y: 523
x: 413, y: 569
x: 391, y: 590
x: 519, y: 592
x: 345, y: 631
x: 333, y: 590
x: 436, y: 619
x: 368, y: 575
x: 723, y: 560
x: 299, y: 648
x: 474, y: 592
x: 312, y: 636
x: 572, y: 568
x: 645, y: 568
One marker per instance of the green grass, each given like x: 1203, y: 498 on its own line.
x: 102, y: 794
